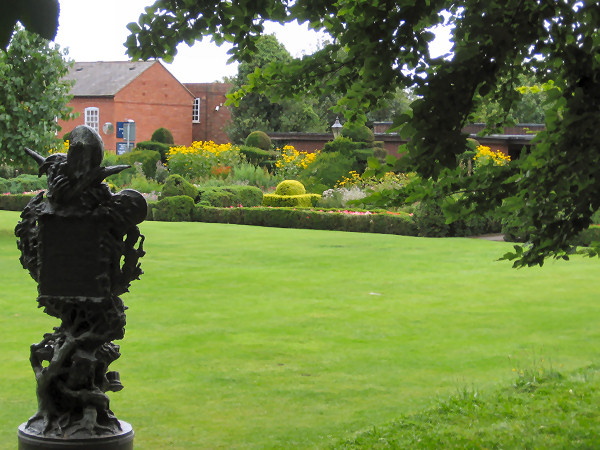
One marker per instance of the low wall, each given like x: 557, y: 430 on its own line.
x: 511, y: 144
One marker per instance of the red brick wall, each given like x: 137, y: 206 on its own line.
x: 154, y: 99
x: 105, y: 107
x: 309, y: 142
x: 213, y: 114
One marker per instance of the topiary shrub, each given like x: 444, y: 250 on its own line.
x: 358, y: 132
x: 159, y: 147
x: 177, y: 185
x: 225, y: 196
x: 258, y: 156
x: 258, y: 139
x: 343, y: 145
x: 163, y: 135
x: 290, y: 187
x: 148, y: 158
x: 178, y: 208
x: 301, y: 200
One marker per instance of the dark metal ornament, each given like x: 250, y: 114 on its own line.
x: 81, y: 244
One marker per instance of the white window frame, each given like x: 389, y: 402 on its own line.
x: 92, y: 117
x: 196, y: 111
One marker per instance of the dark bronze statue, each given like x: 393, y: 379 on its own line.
x: 81, y: 244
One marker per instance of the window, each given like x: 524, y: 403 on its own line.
x: 92, y: 118
x: 196, y: 111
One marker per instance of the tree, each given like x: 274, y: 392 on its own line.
x: 386, y: 109
x: 256, y: 111
x: 529, y: 108
x: 32, y: 95
x: 554, y: 190
x: 37, y: 16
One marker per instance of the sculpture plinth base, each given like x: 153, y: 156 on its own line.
x: 121, y: 441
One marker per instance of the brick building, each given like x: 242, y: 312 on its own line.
x: 210, y: 115
x: 145, y: 92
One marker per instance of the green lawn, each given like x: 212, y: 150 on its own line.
x: 250, y: 337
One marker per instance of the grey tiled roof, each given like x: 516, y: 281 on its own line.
x: 96, y: 79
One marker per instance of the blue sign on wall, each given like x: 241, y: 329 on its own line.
x: 122, y: 147
x: 120, y: 130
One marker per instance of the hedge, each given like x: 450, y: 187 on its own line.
x: 148, y: 159
x: 22, y: 183
x: 233, y: 195
x: 15, y: 202
x: 300, y: 201
x: 159, y: 147
x: 177, y: 185
x: 178, y: 208
x: 282, y: 217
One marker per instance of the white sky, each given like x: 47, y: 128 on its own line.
x: 95, y: 30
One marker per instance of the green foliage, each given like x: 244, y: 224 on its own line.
x: 122, y: 178
x: 259, y: 157
x: 160, y: 147
x: 553, y: 191
x: 430, y: 219
x: 22, y: 183
x: 342, y: 144
x: 390, y: 106
x: 527, y: 107
x: 290, y: 217
x: 252, y: 175
x: 176, y: 208
x: 543, y: 408
x: 176, y: 185
x: 148, y: 159
x: 33, y: 94
x: 163, y: 136
x: 290, y: 187
x: 266, y: 113
x: 359, y: 151
x: 258, y: 139
x: 357, y: 132
x: 299, y: 200
x: 327, y: 170
x: 233, y: 195
x: 142, y: 184
x: 588, y: 236
x: 16, y: 202
x: 203, y: 160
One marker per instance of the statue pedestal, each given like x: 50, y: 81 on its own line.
x: 121, y: 441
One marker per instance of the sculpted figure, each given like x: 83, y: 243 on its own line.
x: 81, y: 243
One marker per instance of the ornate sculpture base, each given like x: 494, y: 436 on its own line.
x: 121, y: 441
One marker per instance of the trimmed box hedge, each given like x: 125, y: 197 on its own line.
x: 300, y: 201
x: 233, y: 195
x: 15, y: 202
x: 178, y: 208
